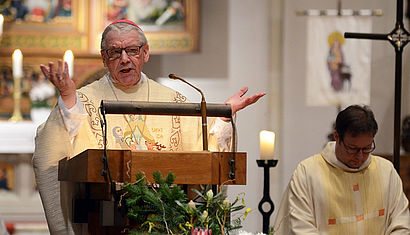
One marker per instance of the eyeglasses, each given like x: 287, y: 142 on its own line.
x: 115, y: 53
x: 366, y: 150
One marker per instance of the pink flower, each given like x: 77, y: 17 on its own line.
x: 201, y: 231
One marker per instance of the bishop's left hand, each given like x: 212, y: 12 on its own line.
x: 239, y: 101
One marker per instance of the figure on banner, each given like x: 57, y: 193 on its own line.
x: 339, y: 71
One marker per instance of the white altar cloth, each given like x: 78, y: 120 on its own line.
x: 17, y: 137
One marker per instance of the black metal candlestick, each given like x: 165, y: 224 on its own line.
x: 266, y: 164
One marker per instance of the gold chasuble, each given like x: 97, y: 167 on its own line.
x: 326, y: 197
x: 135, y: 132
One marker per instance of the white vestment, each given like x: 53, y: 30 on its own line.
x: 324, y: 196
x: 136, y: 132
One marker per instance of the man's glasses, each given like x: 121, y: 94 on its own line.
x: 366, y: 150
x: 115, y: 53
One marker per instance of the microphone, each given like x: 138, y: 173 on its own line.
x: 203, y: 111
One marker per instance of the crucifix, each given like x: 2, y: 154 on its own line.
x: 398, y: 38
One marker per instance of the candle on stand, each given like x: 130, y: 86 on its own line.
x: 17, y: 64
x: 1, y: 24
x: 17, y: 60
x: 267, y: 144
x: 69, y: 58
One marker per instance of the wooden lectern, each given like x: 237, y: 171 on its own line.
x: 208, y: 168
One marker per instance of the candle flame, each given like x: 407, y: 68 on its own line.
x: 69, y: 58
x: 17, y: 53
x: 68, y: 55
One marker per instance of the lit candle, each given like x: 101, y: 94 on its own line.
x: 17, y: 64
x: 1, y: 24
x: 267, y: 144
x: 69, y: 58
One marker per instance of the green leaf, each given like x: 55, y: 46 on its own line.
x: 170, y: 178
x: 198, y: 193
x: 247, y: 212
x: 157, y: 177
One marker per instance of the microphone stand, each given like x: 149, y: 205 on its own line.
x: 203, y: 112
x: 204, y: 124
x: 106, y: 169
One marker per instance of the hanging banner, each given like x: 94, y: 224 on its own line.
x: 338, y: 69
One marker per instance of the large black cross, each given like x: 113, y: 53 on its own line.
x: 398, y: 37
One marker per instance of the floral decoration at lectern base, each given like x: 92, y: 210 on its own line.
x: 163, y: 208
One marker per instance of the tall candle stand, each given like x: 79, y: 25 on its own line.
x: 266, y: 164
x: 16, y: 117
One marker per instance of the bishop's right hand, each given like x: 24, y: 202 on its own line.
x: 62, y: 81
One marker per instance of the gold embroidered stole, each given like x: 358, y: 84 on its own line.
x: 136, y: 132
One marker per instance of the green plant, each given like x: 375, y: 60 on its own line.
x: 163, y: 208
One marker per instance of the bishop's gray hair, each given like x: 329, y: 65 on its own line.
x: 122, y: 27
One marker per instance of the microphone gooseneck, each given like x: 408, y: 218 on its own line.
x: 175, y: 77
x: 203, y: 111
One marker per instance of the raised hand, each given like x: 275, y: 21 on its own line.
x: 239, y: 102
x: 62, y: 81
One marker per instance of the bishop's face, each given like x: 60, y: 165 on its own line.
x: 354, y: 150
x: 121, y: 59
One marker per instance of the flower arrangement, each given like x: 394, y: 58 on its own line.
x: 42, y: 94
x: 163, y: 208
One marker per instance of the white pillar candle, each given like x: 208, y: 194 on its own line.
x: 1, y: 24
x: 267, y: 144
x: 69, y: 58
x: 17, y: 64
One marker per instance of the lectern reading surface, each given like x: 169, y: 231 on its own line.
x: 189, y: 167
